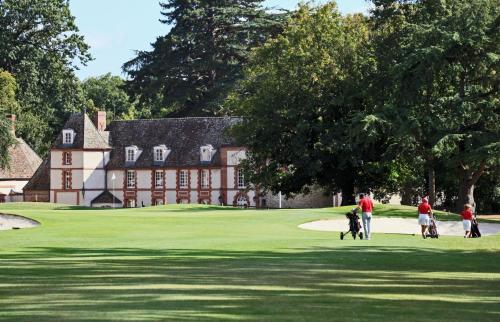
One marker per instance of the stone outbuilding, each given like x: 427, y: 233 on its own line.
x: 23, y: 164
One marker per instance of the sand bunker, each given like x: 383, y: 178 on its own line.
x: 16, y: 222
x: 400, y: 226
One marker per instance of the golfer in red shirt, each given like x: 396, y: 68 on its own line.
x: 366, y: 206
x: 467, y: 219
x: 424, y: 215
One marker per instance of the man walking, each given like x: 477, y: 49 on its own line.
x: 366, y: 206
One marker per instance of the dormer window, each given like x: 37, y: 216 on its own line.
x: 68, y: 136
x: 206, y: 153
x: 131, y: 153
x: 160, y: 153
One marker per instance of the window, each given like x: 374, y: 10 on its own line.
x: 131, y: 153
x: 130, y: 179
x: 206, y: 153
x: 158, y: 155
x: 67, y: 179
x: 204, y: 180
x: 183, y: 178
x: 159, y: 179
x: 68, y: 136
x: 240, y: 178
x: 67, y: 158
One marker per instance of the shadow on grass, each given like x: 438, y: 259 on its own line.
x: 342, y: 284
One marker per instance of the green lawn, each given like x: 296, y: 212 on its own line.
x: 205, y: 263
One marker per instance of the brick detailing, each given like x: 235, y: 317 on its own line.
x: 223, y: 175
x: 238, y: 195
x: 157, y: 193
x: 204, y: 193
x: 67, y: 158
x: 66, y: 186
x: 129, y: 194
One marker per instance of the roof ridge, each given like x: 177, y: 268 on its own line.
x: 180, y: 118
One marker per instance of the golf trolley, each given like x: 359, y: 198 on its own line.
x: 354, y: 225
x: 432, y: 231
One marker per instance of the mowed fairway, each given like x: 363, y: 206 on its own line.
x: 204, y: 263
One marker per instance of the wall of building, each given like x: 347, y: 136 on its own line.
x: 87, y: 172
x: 56, y: 160
x: 36, y: 196
x: 68, y: 198
x: 235, y: 156
x: 215, y: 177
x: 8, y: 185
x: 118, y: 182
x: 315, y: 199
x: 86, y: 200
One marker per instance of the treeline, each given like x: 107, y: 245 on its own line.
x: 189, y: 71
x: 403, y: 100
x: 40, y: 50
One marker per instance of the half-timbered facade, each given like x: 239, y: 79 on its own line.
x: 142, y: 163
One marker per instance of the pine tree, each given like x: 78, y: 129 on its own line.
x: 192, y: 68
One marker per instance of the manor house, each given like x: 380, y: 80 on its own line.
x: 141, y: 163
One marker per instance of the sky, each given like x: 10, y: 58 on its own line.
x: 115, y: 29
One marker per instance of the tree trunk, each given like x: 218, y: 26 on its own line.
x: 431, y: 182
x: 348, y: 197
x: 408, y: 196
x: 465, y: 196
x: 468, y: 179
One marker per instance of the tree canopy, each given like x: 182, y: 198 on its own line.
x: 8, y: 105
x: 107, y: 93
x: 441, y: 85
x: 298, y: 95
x: 373, y: 102
x: 191, y: 69
x: 41, y: 47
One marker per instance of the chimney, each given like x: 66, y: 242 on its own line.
x: 12, y: 119
x: 100, y: 120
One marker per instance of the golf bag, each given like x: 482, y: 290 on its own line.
x: 354, y: 226
x: 432, y: 231
x: 474, y: 229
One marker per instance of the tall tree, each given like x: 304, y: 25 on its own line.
x: 40, y: 46
x: 298, y: 97
x: 192, y: 68
x: 441, y: 84
x: 8, y: 105
x: 8, y: 88
x: 107, y: 93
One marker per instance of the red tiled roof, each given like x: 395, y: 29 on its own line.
x: 23, y: 162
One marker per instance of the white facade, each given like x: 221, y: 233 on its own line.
x: 84, y: 177
x: 77, y: 176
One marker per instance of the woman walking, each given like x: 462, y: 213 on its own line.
x: 467, y: 219
x: 424, y: 213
